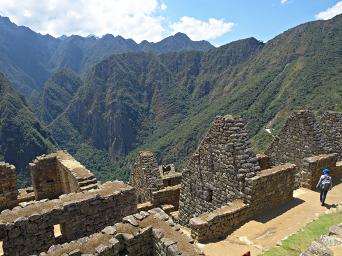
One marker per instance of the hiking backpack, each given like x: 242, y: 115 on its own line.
x: 326, y: 183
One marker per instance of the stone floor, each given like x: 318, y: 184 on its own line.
x: 337, y: 250
x: 266, y: 230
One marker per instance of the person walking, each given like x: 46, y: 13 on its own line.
x: 324, y: 184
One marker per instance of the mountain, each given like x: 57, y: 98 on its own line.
x: 130, y: 97
x: 174, y: 44
x: 29, y: 58
x: 22, y: 137
x: 24, y: 55
x: 165, y: 102
x: 55, y: 96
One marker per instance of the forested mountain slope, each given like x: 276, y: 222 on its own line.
x: 29, y: 58
x: 165, y: 101
x: 22, y: 137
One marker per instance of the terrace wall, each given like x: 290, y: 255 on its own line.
x: 8, y: 186
x: 59, y: 173
x: 30, y: 229
x: 267, y: 190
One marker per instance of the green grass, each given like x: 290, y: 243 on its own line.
x: 299, y: 242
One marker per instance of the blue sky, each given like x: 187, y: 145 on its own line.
x: 260, y: 19
x: 218, y: 21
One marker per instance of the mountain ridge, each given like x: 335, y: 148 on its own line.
x: 29, y: 58
x: 164, y: 102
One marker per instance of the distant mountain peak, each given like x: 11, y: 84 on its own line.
x: 181, y: 35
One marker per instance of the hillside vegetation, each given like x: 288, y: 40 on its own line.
x: 29, y: 58
x: 165, y: 101
x: 22, y: 137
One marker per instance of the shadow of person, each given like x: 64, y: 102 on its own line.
x: 329, y: 206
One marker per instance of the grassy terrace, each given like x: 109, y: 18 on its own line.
x: 300, y: 241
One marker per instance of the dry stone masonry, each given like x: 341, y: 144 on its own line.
x: 145, y: 176
x: 150, y: 233
x: 8, y: 186
x: 156, y: 186
x: 225, y: 184
x: 331, y: 128
x: 298, y: 139
x: 29, y: 228
x: 325, y: 244
x: 59, y: 173
x: 312, y: 169
x: 217, y: 172
x: 303, y: 136
x: 267, y: 190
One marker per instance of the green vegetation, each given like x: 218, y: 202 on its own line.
x: 300, y: 242
x: 165, y: 102
x: 22, y: 137
x: 29, y: 58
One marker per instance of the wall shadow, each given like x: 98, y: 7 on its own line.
x: 273, y: 213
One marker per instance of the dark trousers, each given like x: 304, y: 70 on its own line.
x: 323, y: 195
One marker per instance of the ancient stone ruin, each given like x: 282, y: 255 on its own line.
x: 156, y: 186
x: 59, y: 173
x: 67, y: 212
x: 330, y: 124
x: 8, y: 186
x: 218, y: 170
x: 145, y: 176
x: 304, y: 136
x: 224, y: 184
x: 141, y: 234
x: 29, y: 228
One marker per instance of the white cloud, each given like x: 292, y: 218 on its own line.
x: 202, y: 30
x: 284, y: 1
x: 330, y: 12
x: 128, y: 18
x: 163, y: 7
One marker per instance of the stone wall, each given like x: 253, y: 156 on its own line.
x: 59, y: 173
x: 29, y: 228
x: 267, y: 190
x: 331, y: 129
x: 264, y: 161
x: 312, y: 169
x: 145, y: 176
x: 172, y: 179
x: 220, y: 222
x: 271, y: 187
x: 168, y: 195
x: 150, y: 233
x: 217, y: 171
x: 8, y: 186
x: 298, y: 139
x: 303, y: 136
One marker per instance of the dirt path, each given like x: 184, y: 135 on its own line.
x: 266, y: 230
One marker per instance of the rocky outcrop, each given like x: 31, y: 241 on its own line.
x: 322, y: 247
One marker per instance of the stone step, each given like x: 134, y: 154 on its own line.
x: 80, y: 179
x: 89, y: 187
x: 174, y: 215
x: 168, y: 208
x: 88, y: 182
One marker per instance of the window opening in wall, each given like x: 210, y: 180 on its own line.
x: 57, y: 231
x: 210, y: 195
x: 1, y: 248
